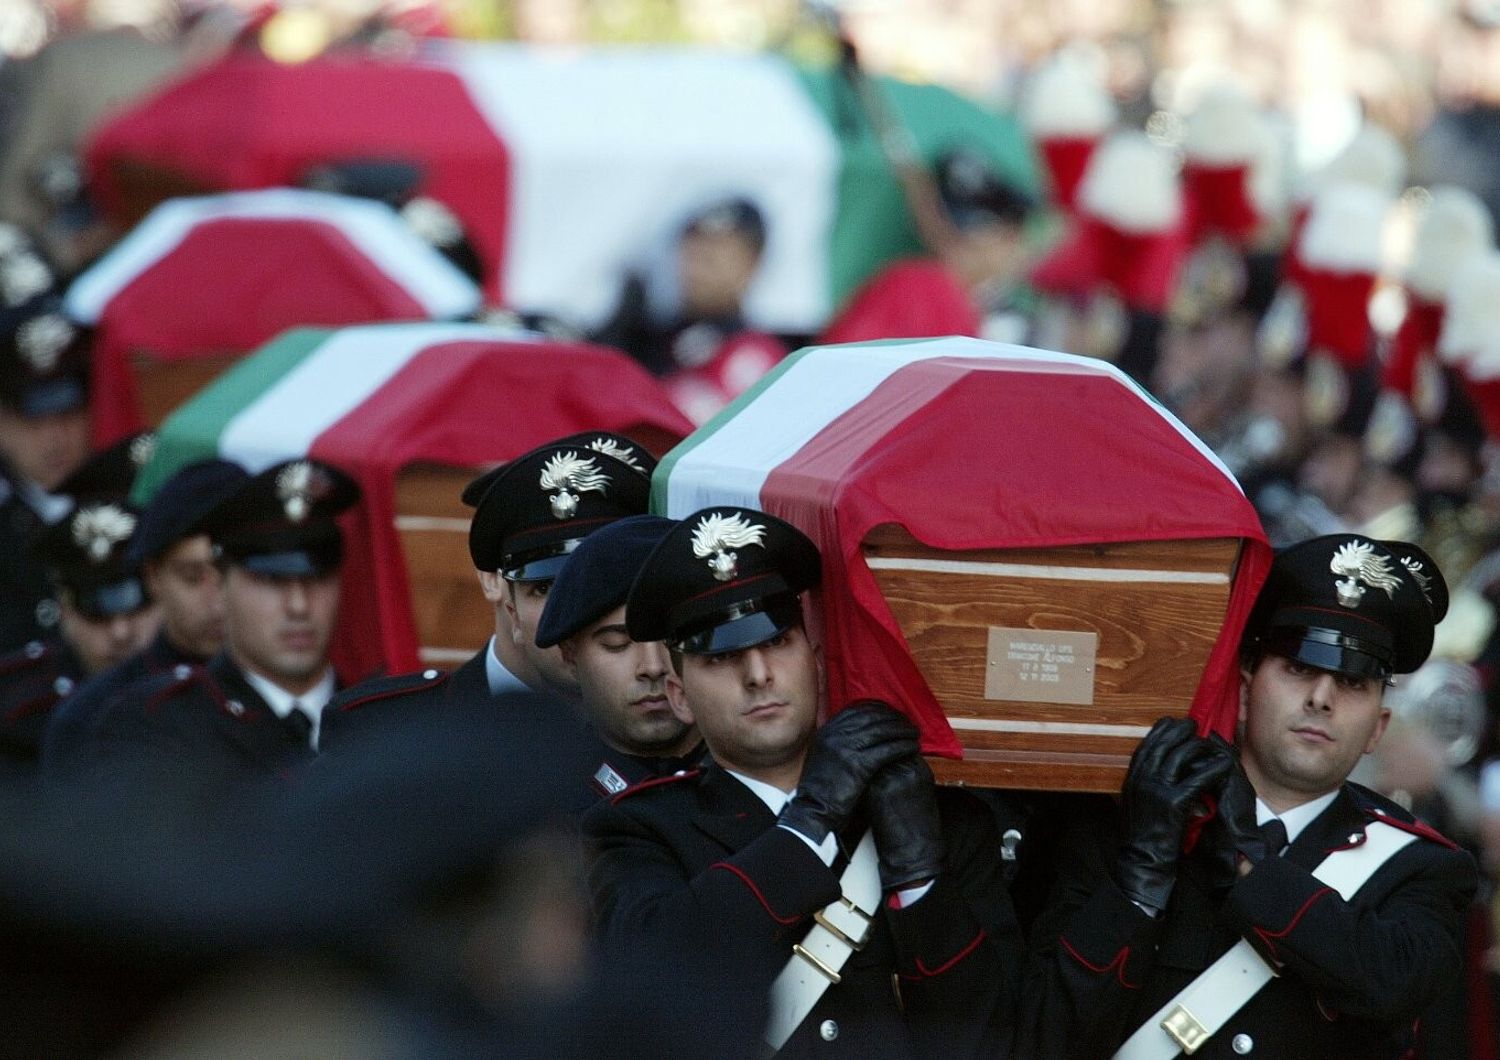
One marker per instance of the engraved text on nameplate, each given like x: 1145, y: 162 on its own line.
x: 1040, y: 665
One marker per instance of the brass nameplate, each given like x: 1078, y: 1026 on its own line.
x: 1040, y: 665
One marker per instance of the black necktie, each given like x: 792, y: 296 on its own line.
x: 1274, y: 834
x: 300, y: 723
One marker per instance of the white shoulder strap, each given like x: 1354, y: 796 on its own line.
x: 838, y: 930
x: 1196, y: 1014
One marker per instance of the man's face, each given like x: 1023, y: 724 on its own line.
x: 623, y: 684
x: 756, y: 709
x: 715, y: 270
x: 104, y: 642
x: 524, y: 603
x: 44, y: 449
x: 281, y: 627
x: 187, y: 585
x: 1305, y: 729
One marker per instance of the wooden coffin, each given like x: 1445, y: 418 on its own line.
x: 1051, y: 664
x: 162, y: 385
x: 453, y: 620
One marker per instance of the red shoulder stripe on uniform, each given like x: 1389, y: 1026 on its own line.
x: 377, y: 695
x: 35, y: 705
x: 177, y: 684
x: 1417, y: 828
x: 928, y: 973
x: 20, y: 660
x: 1117, y: 965
x: 654, y: 782
x: 759, y: 897
x: 1269, y: 937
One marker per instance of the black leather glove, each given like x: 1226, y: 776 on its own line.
x: 1164, y: 787
x: 1242, y: 836
x: 859, y: 742
x: 904, y: 817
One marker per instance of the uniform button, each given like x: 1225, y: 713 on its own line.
x: 34, y: 649
x: 428, y: 675
x: 62, y: 686
x: 1242, y: 1044
x: 235, y: 707
x: 1008, y: 844
x: 181, y: 671
x: 829, y: 1030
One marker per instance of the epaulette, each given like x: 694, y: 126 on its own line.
x: 379, y: 688
x: 655, y: 782
x: 24, y: 658
x: 162, y: 686
x: 1379, y: 808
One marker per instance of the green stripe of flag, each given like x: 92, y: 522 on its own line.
x: 192, y: 433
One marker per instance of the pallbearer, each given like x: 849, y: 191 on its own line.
x: 530, y: 515
x: 822, y: 863
x: 622, y: 682
x: 255, y: 710
x: 1309, y: 916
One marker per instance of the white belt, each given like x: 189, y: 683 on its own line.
x: 1196, y: 1014
x: 838, y: 930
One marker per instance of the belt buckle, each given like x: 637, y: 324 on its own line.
x: 1185, y: 1029
x: 838, y: 932
x: 807, y: 955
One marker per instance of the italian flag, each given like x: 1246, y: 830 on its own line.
x: 372, y: 400
x: 567, y: 166
x: 967, y: 445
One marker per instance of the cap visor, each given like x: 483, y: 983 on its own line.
x: 542, y: 569
x: 747, y: 631
x: 1323, y: 653
x: 296, y: 564
x: 107, y: 601
x: 52, y: 399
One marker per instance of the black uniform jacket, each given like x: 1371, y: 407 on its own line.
x: 207, y: 718
x: 697, y: 860
x: 26, y: 611
x: 373, y: 703
x: 71, y: 725
x: 1353, y: 976
x: 33, y: 681
x: 464, y: 695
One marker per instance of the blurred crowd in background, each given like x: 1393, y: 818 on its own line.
x: 1276, y: 215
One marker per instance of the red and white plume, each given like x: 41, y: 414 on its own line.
x: 1471, y: 326
x: 1229, y: 165
x: 1067, y: 109
x: 1128, y: 236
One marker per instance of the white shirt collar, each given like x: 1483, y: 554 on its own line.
x: 499, y: 678
x: 280, y: 700
x: 770, y: 794
x: 1298, y: 817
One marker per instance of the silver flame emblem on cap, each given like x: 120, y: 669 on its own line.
x: 571, y: 476
x: 142, y: 450
x: 623, y: 453
x: 1355, y: 562
x: 1419, y: 575
x: 98, y: 528
x: 299, y: 486
x: 717, y: 535
x: 42, y: 340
